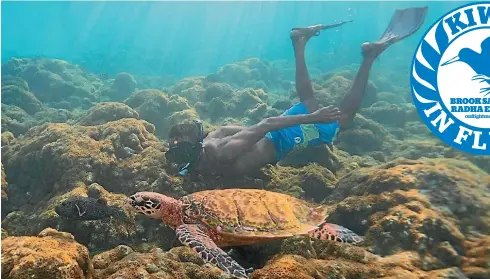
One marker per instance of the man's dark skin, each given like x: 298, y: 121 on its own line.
x: 237, y: 150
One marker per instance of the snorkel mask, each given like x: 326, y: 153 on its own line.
x: 184, y: 153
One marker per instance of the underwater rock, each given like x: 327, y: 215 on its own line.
x: 4, y: 188
x: 313, y: 181
x: 156, y: 107
x: 104, y: 259
x: 124, y: 84
x: 62, y: 156
x: 217, y: 90
x: 187, y: 83
x: 302, y: 258
x: 246, y: 99
x: 364, y: 136
x: 242, y: 72
x: 414, y: 205
x: 391, y: 98
x: 52, y: 115
x: 67, y: 158
x: 179, y: 117
x: 50, y: 255
x: 193, y: 94
x: 214, y: 110
x: 148, y: 82
x: 330, y: 89
x: 17, y: 81
x: 476, y: 262
x: 178, y: 263
x: 15, y: 120
x: 177, y: 103
x: 385, y: 113
x: 95, y: 234
x: 119, y: 88
x: 52, y: 80
x: 257, y: 113
x: 282, y: 105
x: 106, y: 112
x: 359, y: 141
x: 7, y: 138
x: 14, y: 95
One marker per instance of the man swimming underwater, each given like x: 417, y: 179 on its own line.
x: 237, y: 150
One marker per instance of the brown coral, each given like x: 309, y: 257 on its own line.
x: 178, y: 263
x: 50, y: 255
x: 106, y: 112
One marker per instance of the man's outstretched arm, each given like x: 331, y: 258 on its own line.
x: 233, y: 146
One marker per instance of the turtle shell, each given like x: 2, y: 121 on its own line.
x: 251, y: 213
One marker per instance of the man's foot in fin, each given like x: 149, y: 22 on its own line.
x: 303, y: 34
x: 373, y: 50
x: 403, y: 24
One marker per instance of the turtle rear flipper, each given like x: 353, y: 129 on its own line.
x: 328, y: 231
x: 195, y: 238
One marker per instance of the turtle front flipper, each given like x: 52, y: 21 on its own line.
x: 328, y: 231
x: 195, y: 238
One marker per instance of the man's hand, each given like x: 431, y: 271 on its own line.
x: 328, y: 114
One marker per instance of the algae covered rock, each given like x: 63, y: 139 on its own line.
x: 62, y: 156
x: 4, y: 187
x: 364, y: 136
x: 50, y: 255
x: 178, y: 263
x: 217, y: 90
x: 119, y: 88
x: 414, y: 205
x: 106, y: 112
x: 7, y: 138
x: 242, y: 72
x: 311, y: 181
x: 16, y: 81
x: 385, y: 113
x: 14, y: 95
x: 15, y: 120
x: 53, y: 80
x: 476, y: 263
x: 124, y: 84
x: 95, y: 234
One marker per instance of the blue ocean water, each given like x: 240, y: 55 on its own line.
x: 195, y: 38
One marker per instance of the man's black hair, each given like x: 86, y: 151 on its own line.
x: 186, y: 129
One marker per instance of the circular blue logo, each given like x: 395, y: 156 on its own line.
x: 450, y: 78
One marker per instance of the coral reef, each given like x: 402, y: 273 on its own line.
x: 120, y: 88
x: 14, y: 95
x: 106, y: 112
x: 63, y: 155
x: 156, y: 107
x: 178, y: 263
x: 422, y: 206
x: 52, y: 254
x: 415, y: 205
x: 7, y: 138
x: 53, y: 80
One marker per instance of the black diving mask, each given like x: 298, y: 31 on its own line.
x: 184, y: 153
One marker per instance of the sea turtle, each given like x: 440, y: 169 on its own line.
x: 208, y: 220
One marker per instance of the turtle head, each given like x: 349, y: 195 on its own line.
x: 156, y: 206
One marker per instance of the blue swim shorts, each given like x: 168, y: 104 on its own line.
x: 287, y: 139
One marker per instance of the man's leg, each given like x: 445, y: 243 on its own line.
x: 299, y: 38
x: 304, y: 87
x: 353, y: 99
x: 403, y: 24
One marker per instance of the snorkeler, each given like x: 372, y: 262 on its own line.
x: 237, y: 150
